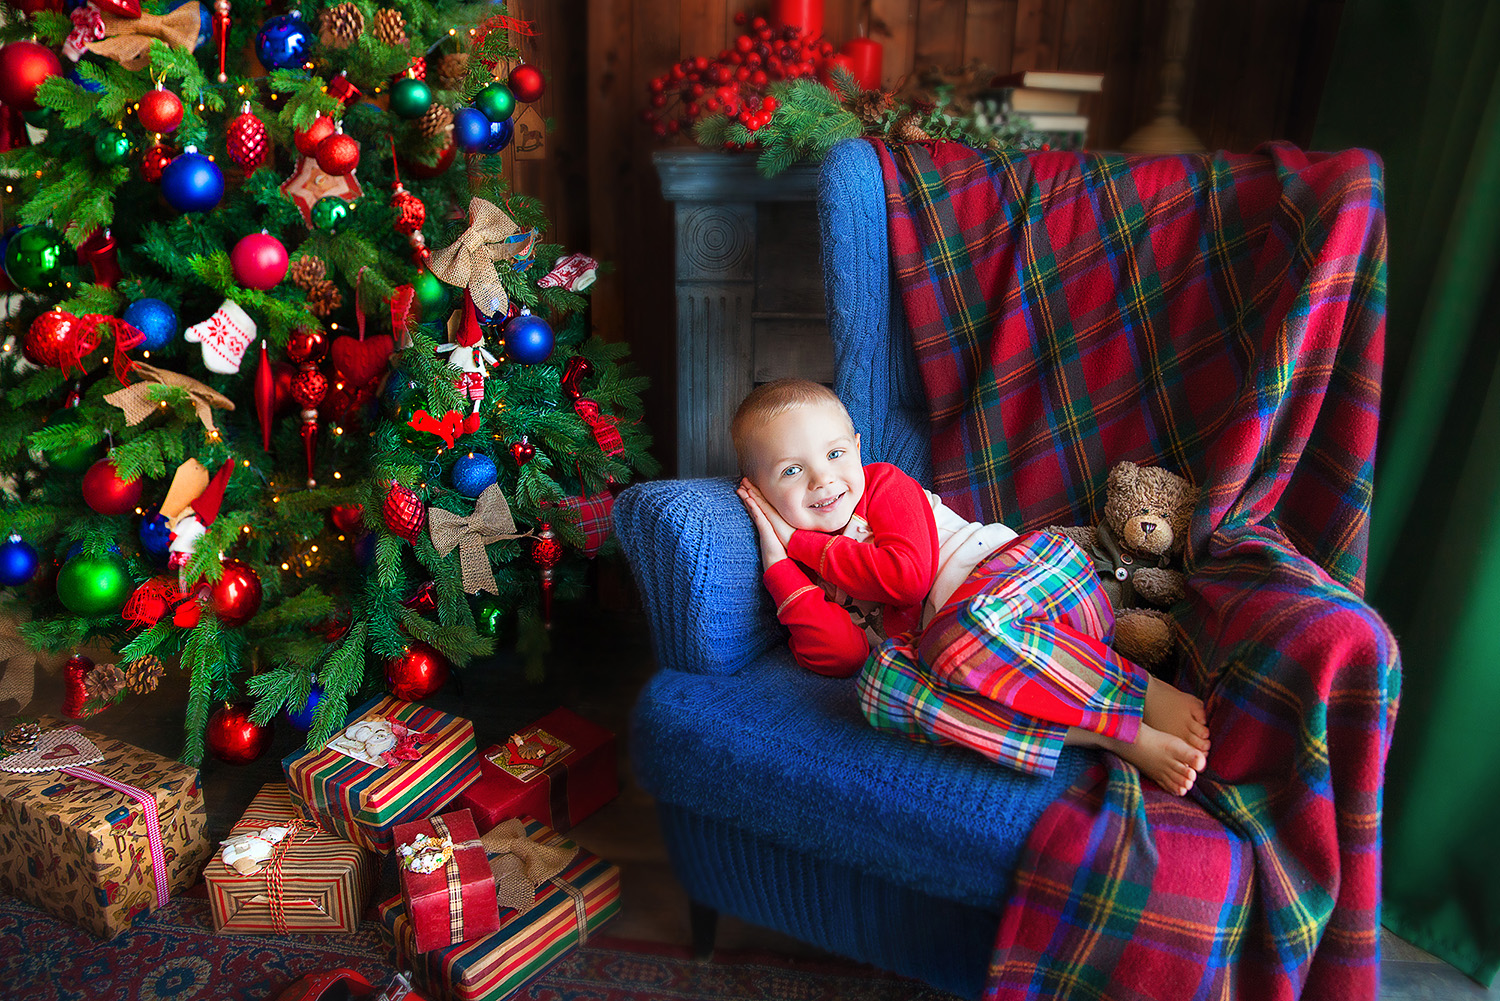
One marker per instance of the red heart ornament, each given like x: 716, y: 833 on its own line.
x: 357, y: 368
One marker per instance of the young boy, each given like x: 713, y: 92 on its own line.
x: 981, y: 638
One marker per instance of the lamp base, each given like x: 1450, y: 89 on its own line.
x: 1164, y: 135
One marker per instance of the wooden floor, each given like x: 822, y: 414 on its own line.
x: 600, y: 660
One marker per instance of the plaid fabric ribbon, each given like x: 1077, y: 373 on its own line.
x: 276, y: 879
x: 455, y: 881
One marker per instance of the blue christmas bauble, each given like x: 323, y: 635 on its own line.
x: 92, y: 86
x: 471, y: 129
x: 364, y: 550
x: 18, y: 562
x: 302, y: 719
x: 156, y: 537
x: 5, y: 242
x: 76, y: 549
x: 155, y: 319
x: 528, y: 339
x: 205, y: 21
x: 500, y: 133
x: 473, y: 472
x: 192, y: 183
x: 282, y: 42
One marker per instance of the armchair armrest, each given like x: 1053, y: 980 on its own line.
x: 693, y: 551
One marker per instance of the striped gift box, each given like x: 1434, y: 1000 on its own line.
x: 325, y: 880
x: 570, y: 909
x: 363, y: 803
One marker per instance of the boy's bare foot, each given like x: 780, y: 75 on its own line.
x: 1175, y: 712
x: 1164, y: 759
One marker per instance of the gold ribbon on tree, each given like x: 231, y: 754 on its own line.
x: 490, y: 522
x: 469, y: 262
x: 521, y: 865
x: 128, y: 40
x: 136, y: 401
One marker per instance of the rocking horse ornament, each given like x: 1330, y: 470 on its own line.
x: 473, y: 360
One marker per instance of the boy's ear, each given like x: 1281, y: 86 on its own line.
x: 856, y: 441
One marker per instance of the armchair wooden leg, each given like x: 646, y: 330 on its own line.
x: 704, y: 922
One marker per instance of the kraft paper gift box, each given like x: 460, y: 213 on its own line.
x: 317, y: 883
x: 79, y: 843
x: 446, y: 882
x: 559, y: 770
x: 362, y: 799
x: 562, y: 911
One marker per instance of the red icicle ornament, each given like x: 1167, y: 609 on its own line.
x: 307, y: 347
x: 545, y: 553
x: 74, y: 695
x: 98, y: 252
x: 246, y: 140
x: 265, y: 396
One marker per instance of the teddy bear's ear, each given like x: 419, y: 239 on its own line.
x: 1123, y: 477
x: 1182, y: 515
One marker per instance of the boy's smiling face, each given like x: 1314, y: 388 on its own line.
x: 806, y: 463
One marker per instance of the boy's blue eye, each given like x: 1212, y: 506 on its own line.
x: 791, y: 471
x: 837, y: 453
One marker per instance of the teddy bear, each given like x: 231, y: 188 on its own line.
x: 1134, y: 547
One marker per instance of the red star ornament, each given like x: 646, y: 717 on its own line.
x: 310, y: 183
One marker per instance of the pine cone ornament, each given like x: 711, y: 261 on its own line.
x: 437, y: 120
x: 323, y: 298
x: 869, y: 107
x: 21, y: 737
x: 143, y: 675
x: 340, y: 27
x: 246, y: 141
x: 390, y: 26
x: 907, y: 130
x: 104, y: 682
x: 307, y: 271
x: 451, y: 70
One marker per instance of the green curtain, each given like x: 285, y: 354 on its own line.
x: 1420, y: 84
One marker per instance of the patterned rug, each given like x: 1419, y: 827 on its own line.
x: 173, y: 955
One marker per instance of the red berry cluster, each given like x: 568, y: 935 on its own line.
x: 737, y: 83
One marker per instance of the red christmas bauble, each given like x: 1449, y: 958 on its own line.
x: 161, y: 111
x: 23, y: 67
x: 348, y: 518
x: 417, y: 673
x: 246, y: 142
x: 259, y: 261
x: 283, y: 374
x: 56, y: 340
x: 306, y: 345
x: 338, y: 154
x: 309, y: 386
x: 236, y: 595
x: 410, y: 212
x: 525, y: 81
x: 403, y: 512
x: 523, y: 452
x: 307, y: 139
x: 233, y: 738
x: 427, y: 171
x: 106, y: 492
x: 154, y: 161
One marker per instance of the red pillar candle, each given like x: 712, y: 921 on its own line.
x: 865, y: 57
x: 805, y: 14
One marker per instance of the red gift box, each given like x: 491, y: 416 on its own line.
x: 560, y: 769
x: 454, y: 901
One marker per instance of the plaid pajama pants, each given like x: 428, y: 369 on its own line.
x: 1007, y: 669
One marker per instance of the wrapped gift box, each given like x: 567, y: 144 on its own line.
x: 560, y: 769
x: 325, y: 881
x: 567, y: 910
x: 453, y: 902
x: 81, y: 850
x: 363, y: 800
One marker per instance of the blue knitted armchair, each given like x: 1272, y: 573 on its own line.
x: 778, y: 803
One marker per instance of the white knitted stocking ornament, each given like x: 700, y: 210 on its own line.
x: 224, y: 337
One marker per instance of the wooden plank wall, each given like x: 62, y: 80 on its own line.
x: 1256, y: 73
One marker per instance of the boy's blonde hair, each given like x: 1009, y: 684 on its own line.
x: 768, y: 402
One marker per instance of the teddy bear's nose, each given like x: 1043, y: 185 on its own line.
x: 1148, y: 527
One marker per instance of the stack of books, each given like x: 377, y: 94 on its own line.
x: 1052, y: 102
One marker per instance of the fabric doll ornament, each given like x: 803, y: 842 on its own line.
x: 1134, y: 548
x: 193, y: 519
x: 468, y: 354
x: 225, y: 337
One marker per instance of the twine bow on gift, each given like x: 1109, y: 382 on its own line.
x: 136, y: 400
x: 521, y: 865
x: 469, y: 262
x: 128, y: 40
x: 490, y: 522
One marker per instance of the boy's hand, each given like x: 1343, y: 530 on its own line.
x: 772, y: 549
x: 778, y: 523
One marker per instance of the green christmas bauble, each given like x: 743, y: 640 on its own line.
x: 432, y: 297
x: 93, y: 585
x: 422, y: 441
x: 410, y: 97
x: 34, y: 257
x: 70, y: 460
x: 331, y: 213
x: 495, y: 102
x: 489, y: 615
x: 111, y: 147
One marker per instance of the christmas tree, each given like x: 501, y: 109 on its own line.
x: 293, y: 401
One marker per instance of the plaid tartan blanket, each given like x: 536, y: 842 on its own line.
x: 1223, y: 316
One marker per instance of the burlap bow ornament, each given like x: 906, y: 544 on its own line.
x: 128, y: 40
x: 137, y: 403
x: 490, y: 522
x: 521, y: 865
x: 469, y: 262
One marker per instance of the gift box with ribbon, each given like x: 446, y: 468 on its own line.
x: 95, y: 831
x: 395, y: 762
x: 446, y: 882
x: 553, y: 896
x: 278, y: 873
x: 560, y: 769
